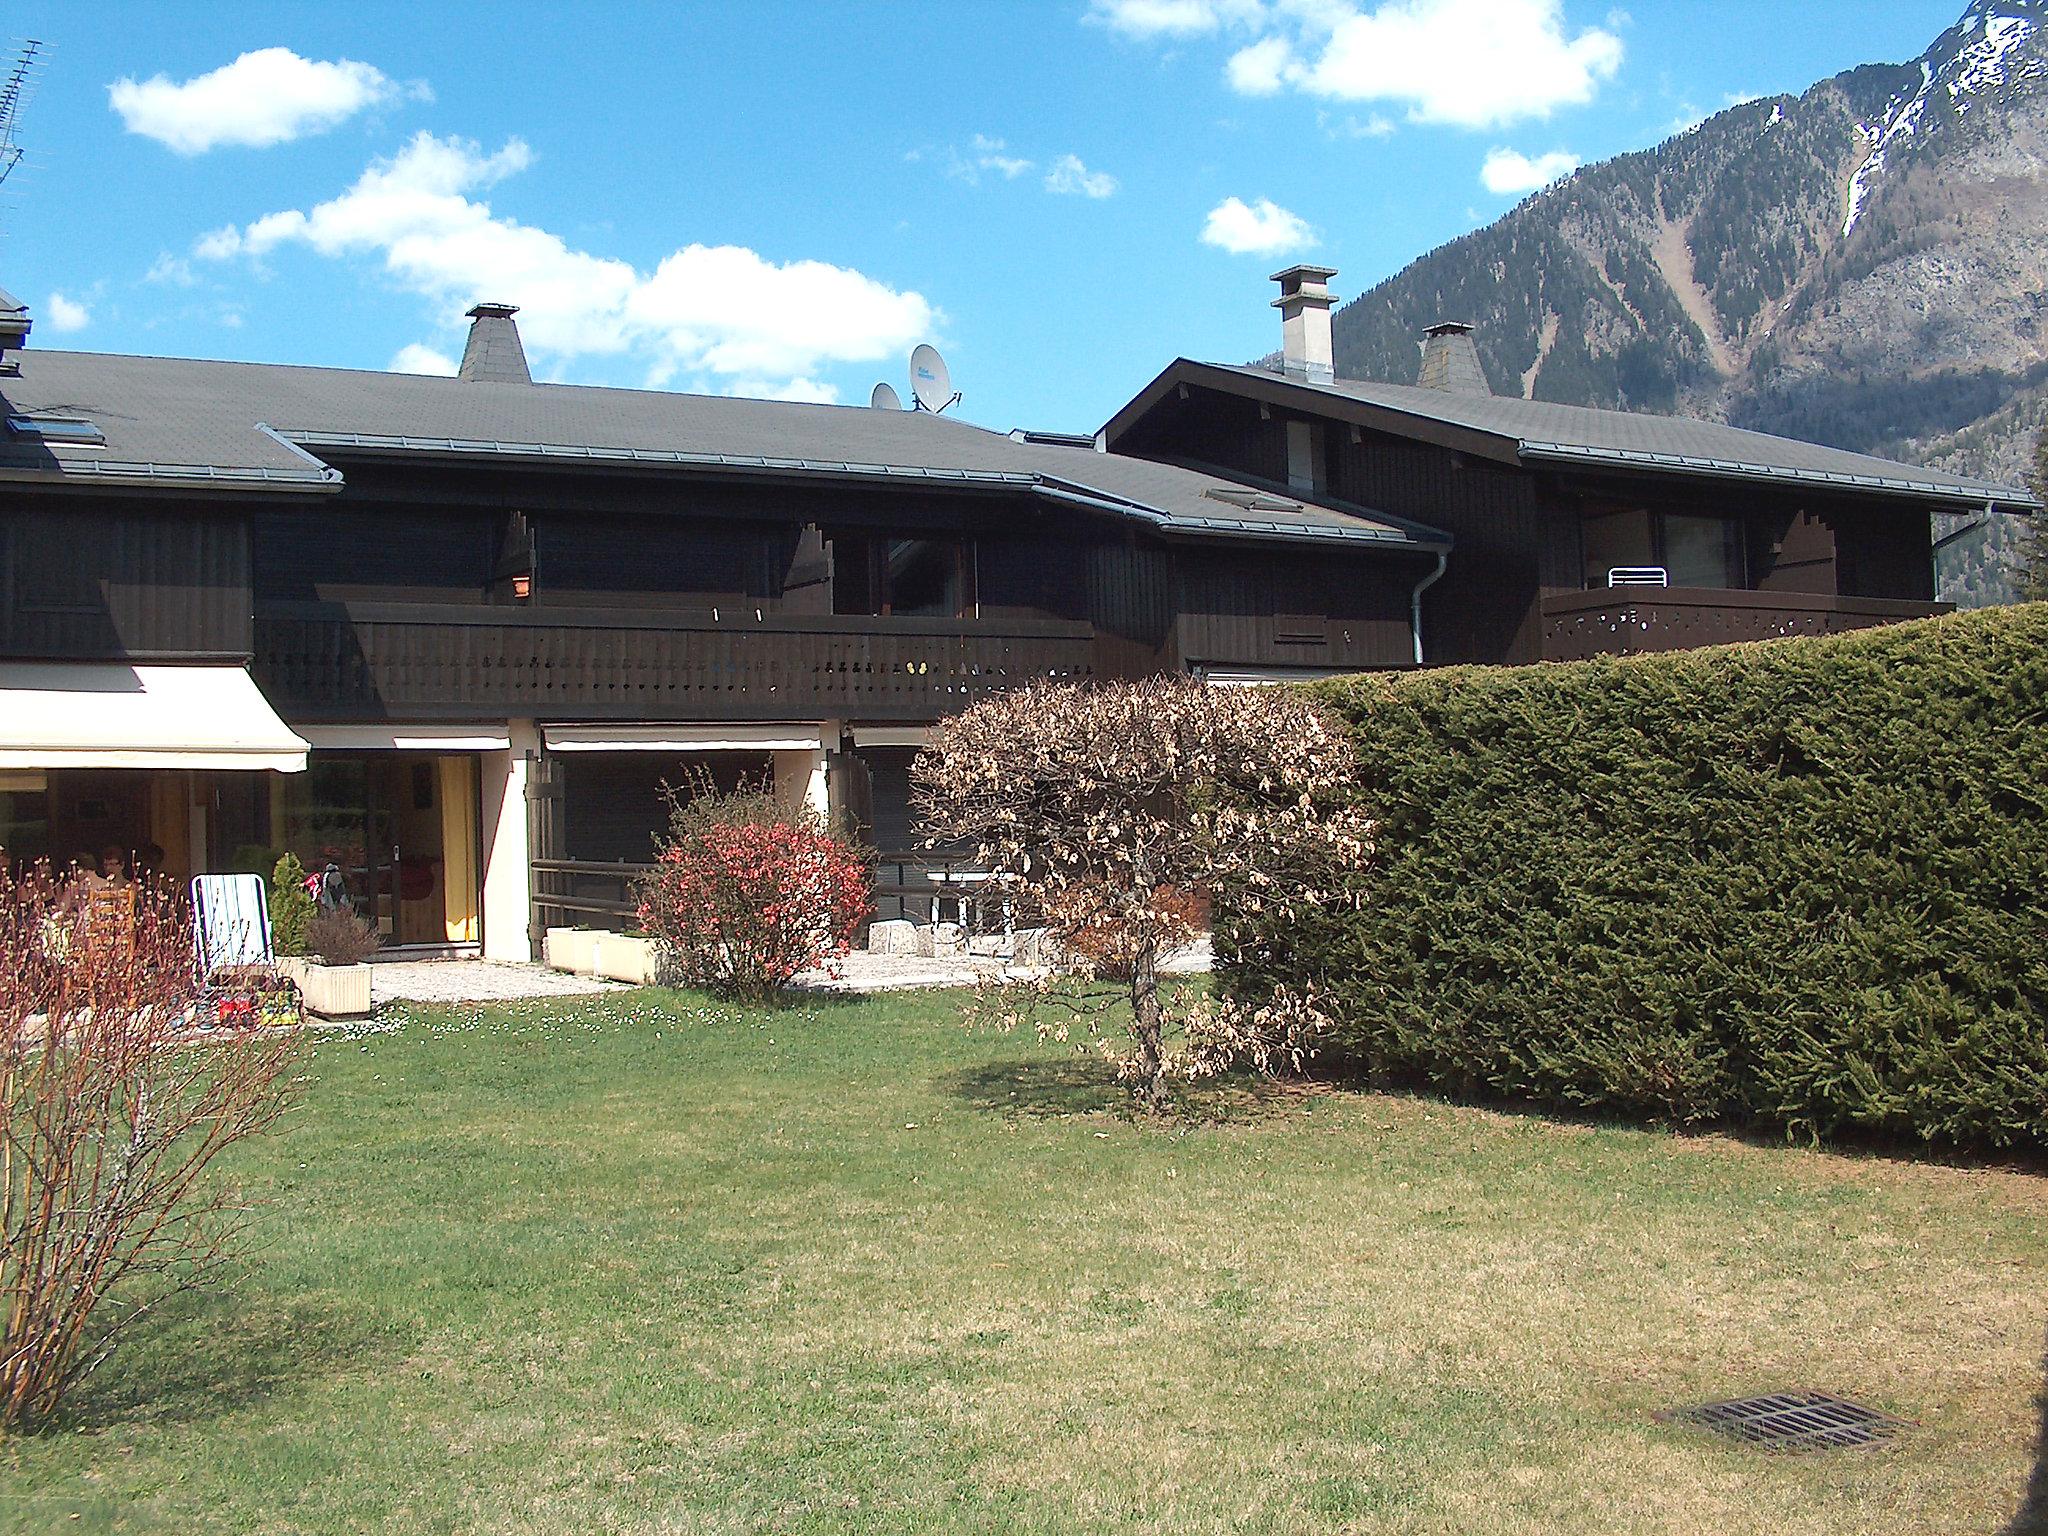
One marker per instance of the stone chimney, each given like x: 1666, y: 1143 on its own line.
x: 1304, y: 306
x: 494, y: 354
x: 1450, y: 360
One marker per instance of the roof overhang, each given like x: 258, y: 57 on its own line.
x: 1278, y: 389
x: 1357, y: 532
x: 1510, y: 449
x: 1973, y: 498
x: 105, y: 714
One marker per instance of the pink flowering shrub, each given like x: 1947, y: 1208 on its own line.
x: 747, y: 891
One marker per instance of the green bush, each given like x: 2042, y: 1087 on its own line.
x: 1797, y: 884
x: 291, y: 906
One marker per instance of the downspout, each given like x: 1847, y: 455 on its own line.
x: 1443, y: 559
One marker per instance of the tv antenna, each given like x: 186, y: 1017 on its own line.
x: 885, y: 398
x: 930, y: 381
x: 13, y: 94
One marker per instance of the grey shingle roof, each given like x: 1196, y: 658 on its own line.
x: 1544, y: 432
x: 272, y: 426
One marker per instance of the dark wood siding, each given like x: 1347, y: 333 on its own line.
x: 339, y: 552
x: 1884, y: 552
x: 89, y: 579
x: 1506, y: 551
x: 1324, y: 610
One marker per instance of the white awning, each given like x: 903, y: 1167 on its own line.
x: 108, y: 714
x: 408, y: 738
x: 891, y: 735
x: 683, y: 738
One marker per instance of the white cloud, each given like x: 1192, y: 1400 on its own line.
x: 1172, y: 18
x: 1509, y: 171
x: 721, y: 310
x: 270, y: 96
x: 1263, y: 228
x: 989, y: 156
x: 1262, y: 68
x: 170, y: 269
x: 66, y: 314
x: 807, y: 391
x: 1070, y: 177
x: 1468, y: 63
x: 416, y: 357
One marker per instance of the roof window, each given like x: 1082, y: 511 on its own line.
x: 1251, y: 500
x: 57, y: 429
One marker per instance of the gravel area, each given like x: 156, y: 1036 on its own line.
x: 864, y: 972
x: 474, y: 981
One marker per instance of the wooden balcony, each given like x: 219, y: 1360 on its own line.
x: 1629, y: 621
x: 368, y: 662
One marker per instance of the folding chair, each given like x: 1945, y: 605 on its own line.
x: 236, y: 965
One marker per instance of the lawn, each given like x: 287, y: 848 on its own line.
x: 644, y: 1263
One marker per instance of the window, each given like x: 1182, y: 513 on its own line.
x: 914, y: 577
x: 1693, y: 550
x: 75, y: 430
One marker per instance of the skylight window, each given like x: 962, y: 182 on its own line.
x: 1250, y: 500
x: 58, y: 429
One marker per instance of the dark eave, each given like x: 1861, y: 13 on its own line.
x: 1414, y: 422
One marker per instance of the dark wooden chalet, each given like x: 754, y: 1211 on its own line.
x: 452, y: 636
x: 1576, y: 532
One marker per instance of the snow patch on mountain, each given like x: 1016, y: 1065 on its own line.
x: 1981, y: 55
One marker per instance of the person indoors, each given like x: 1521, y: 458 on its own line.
x: 113, y: 869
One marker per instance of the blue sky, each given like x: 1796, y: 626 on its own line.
x: 761, y: 199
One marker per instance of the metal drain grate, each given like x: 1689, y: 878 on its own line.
x: 1795, y: 1421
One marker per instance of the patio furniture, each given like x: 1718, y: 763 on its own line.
x: 237, y: 966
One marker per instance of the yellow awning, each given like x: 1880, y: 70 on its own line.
x: 104, y: 714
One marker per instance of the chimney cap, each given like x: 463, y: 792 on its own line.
x: 489, y: 309
x: 1303, y: 272
x: 1449, y: 328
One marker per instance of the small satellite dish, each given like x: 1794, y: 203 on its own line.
x: 930, y: 381
x: 885, y: 397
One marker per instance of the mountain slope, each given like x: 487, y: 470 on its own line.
x: 1865, y: 265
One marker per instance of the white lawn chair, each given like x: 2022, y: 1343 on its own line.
x: 238, y: 980
x: 230, y: 924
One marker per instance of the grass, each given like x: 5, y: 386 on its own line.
x: 648, y: 1264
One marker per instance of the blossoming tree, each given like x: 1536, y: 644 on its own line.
x: 1106, y: 807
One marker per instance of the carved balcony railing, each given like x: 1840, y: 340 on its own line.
x: 1634, y: 620
x: 396, y: 661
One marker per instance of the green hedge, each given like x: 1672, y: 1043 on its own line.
x: 1797, y: 884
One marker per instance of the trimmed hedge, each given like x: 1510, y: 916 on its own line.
x: 1797, y: 884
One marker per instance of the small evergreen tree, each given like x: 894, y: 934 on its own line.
x: 291, y: 906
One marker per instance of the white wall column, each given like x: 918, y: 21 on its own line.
x: 800, y: 775
x: 506, y: 851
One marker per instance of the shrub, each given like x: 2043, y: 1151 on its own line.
x: 746, y: 892
x: 339, y: 937
x: 291, y: 906
x: 1104, y: 806
x: 1797, y: 884
x: 113, y: 1105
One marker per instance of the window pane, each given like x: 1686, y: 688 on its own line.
x: 924, y: 577
x: 1701, y: 551
x: 1614, y: 539
x: 853, y: 583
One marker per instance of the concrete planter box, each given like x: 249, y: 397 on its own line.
x: 329, y: 991
x: 613, y: 956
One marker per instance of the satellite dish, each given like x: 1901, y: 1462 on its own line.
x: 930, y: 380
x: 885, y: 398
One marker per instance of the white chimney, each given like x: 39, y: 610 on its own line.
x: 1304, y: 305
